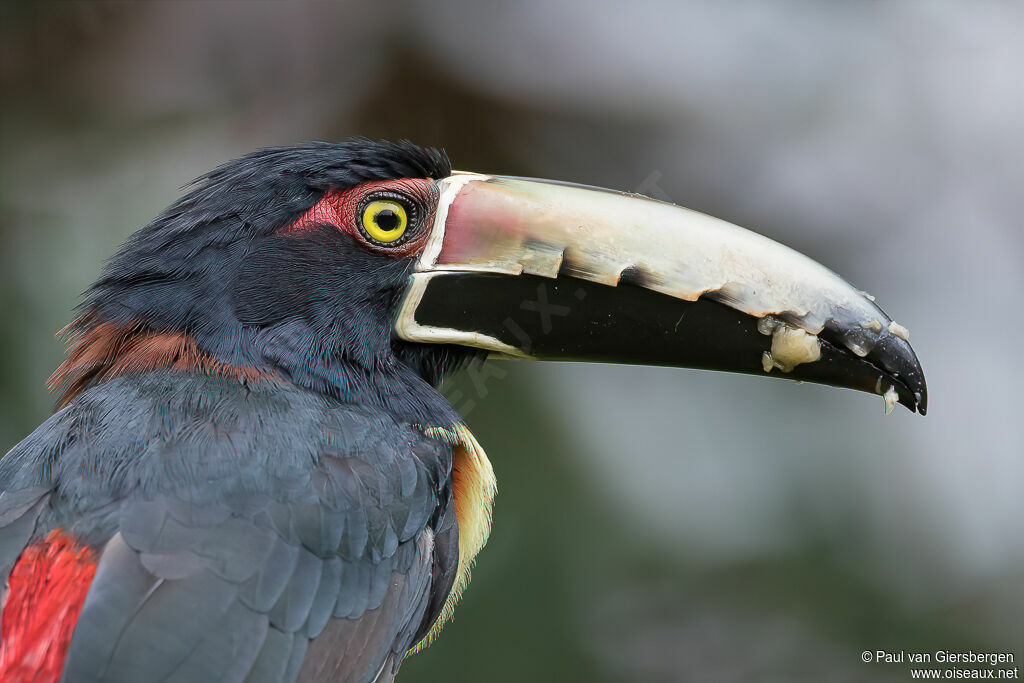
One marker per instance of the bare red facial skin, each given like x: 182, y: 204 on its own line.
x: 340, y: 208
x: 45, y: 592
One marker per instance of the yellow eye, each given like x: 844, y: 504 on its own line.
x: 385, y: 220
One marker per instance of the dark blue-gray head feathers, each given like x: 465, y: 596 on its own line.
x: 316, y: 311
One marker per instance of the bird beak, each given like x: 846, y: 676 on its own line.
x: 549, y: 270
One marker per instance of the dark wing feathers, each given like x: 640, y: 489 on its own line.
x: 292, y: 607
x: 19, y: 511
x: 363, y: 649
x: 228, y: 650
x: 443, y: 571
x: 325, y: 598
x: 235, y: 525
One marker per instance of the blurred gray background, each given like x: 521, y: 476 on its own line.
x: 652, y: 524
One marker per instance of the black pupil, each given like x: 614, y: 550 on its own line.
x: 387, y: 220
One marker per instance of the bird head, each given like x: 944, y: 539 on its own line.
x: 367, y: 271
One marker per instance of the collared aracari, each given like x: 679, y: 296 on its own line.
x: 251, y: 475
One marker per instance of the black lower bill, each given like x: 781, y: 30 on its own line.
x: 572, y: 319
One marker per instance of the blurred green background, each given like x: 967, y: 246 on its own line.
x: 652, y: 524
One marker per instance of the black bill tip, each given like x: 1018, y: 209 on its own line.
x: 890, y: 365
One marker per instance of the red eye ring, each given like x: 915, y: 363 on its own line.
x: 343, y: 209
